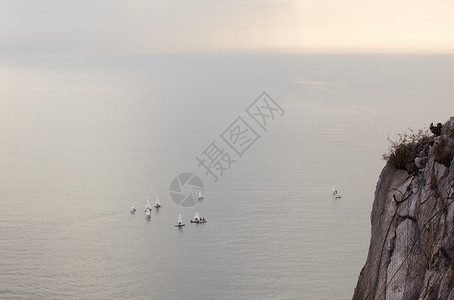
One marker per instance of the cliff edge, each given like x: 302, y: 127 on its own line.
x: 411, y: 252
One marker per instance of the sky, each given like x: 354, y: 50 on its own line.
x: 175, y: 26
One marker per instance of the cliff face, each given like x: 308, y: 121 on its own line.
x: 411, y: 252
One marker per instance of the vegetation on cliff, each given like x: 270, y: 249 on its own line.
x: 403, y: 151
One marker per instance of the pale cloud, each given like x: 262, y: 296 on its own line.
x: 139, y: 27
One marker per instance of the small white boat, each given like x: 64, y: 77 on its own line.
x: 147, y: 205
x: 148, y: 214
x: 132, y: 209
x: 197, y: 219
x: 158, y: 203
x: 200, y: 196
x: 336, y: 194
x: 180, y: 222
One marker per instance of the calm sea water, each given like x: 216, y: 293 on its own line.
x: 81, y: 138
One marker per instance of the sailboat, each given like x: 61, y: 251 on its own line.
x: 147, y: 206
x: 148, y: 214
x: 202, y: 220
x: 196, y: 218
x: 180, y: 222
x: 132, y: 209
x: 336, y: 194
x: 200, y: 196
x: 158, y: 203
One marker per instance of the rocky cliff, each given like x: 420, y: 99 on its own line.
x: 411, y: 252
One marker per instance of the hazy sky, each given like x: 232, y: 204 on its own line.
x: 109, y: 26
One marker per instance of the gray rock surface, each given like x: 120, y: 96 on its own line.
x: 411, y: 252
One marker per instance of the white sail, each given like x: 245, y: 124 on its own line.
x: 336, y: 193
x: 180, y: 222
x: 200, y: 196
x: 158, y: 203
x: 196, y: 216
x: 147, y: 205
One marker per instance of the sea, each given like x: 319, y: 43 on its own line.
x: 84, y: 137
